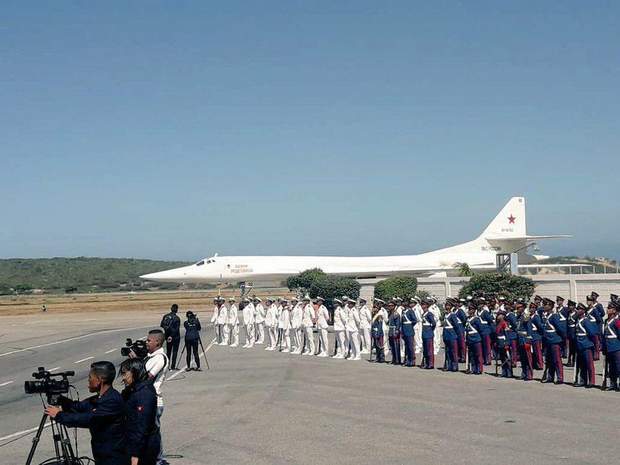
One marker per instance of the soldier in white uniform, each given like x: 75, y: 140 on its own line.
x: 222, y: 317
x: 271, y: 323
x: 322, y: 325
x: 353, y: 322
x: 307, y: 323
x: 296, y: 317
x: 216, y: 312
x: 233, y: 323
x: 248, y: 322
x: 259, y: 320
x: 339, y: 327
x: 418, y: 326
x: 284, y: 325
x: 434, y: 309
x: 365, y: 322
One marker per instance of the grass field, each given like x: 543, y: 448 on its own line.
x: 119, y: 302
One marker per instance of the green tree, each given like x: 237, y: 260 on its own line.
x: 304, y: 280
x: 508, y: 285
x: 464, y: 269
x: 398, y: 286
x: 317, y: 283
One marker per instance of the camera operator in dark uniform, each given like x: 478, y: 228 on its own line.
x: 171, y: 324
x: 102, y: 414
x: 192, y: 337
x: 143, y: 440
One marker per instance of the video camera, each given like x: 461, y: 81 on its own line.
x: 46, y: 384
x: 138, y: 347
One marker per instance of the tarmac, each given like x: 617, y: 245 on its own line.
x: 260, y: 407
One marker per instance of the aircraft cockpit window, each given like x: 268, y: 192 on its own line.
x: 201, y: 262
x: 210, y: 261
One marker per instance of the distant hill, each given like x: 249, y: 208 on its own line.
x: 81, y: 274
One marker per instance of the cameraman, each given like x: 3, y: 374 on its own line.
x: 171, y: 324
x: 156, y: 364
x: 102, y: 414
x: 192, y: 337
x: 143, y: 439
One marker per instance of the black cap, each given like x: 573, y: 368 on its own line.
x: 594, y: 295
x: 613, y: 297
x: 571, y: 303
x: 559, y: 297
x: 581, y: 306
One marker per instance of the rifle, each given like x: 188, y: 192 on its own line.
x: 605, y: 374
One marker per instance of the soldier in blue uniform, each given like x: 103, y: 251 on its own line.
x: 524, y: 341
x: 553, y: 336
x: 377, y: 331
x: 585, y: 332
x: 394, y: 333
x: 451, y: 331
x: 487, y: 325
x: 571, y: 330
x: 428, y: 334
x: 611, y: 344
x: 474, y: 341
x: 536, y: 332
x: 461, y: 313
x: 503, y: 347
x: 596, y: 314
x: 408, y: 322
x: 563, y: 312
x: 511, y: 333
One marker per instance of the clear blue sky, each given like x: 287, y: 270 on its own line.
x: 179, y: 129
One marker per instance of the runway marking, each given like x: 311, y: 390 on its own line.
x: 19, y: 433
x: 111, y: 350
x: 6, y: 383
x: 62, y: 341
x: 174, y: 375
x: 84, y: 359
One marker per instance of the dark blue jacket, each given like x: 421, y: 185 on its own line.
x: 451, y: 327
x: 537, y: 327
x: 554, y: 333
x: 511, y: 332
x: 408, y: 321
x: 428, y: 325
x: 596, y: 315
x: 394, y: 325
x: 462, y: 316
x: 473, y: 330
x: 524, y: 331
x: 486, y: 322
x: 377, y: 328
x: 142, y: 433
x: 586, y: 330
x: 192, y: 329
x: 563, y: 320
x: 571, y: 327
x: 171, y: 324
x: 103, y: 416
x: 611, y: 336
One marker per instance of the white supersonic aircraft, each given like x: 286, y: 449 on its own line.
x: 505, y: 235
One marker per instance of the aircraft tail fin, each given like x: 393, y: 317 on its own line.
x: 509, y: 223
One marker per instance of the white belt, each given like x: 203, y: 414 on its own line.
x: 501, y: 337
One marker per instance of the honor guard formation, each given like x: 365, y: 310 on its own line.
x: 475, y: 331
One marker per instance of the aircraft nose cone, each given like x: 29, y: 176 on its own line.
x: 151, y: 276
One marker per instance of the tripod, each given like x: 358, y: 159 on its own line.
x: 204, y: 352
x: 62, y: 444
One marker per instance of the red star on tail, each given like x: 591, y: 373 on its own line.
x: 511, y: 219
